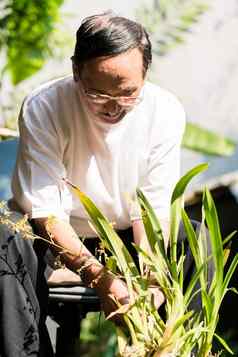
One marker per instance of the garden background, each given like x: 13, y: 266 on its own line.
x: 195, y: 56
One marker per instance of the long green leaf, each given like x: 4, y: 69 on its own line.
x: 182, y: 320
x: 188, y: 295
x: 106, y: 231
x: 224, y: 344
x: 216, y: 241
x: 207, y: 142
x: 175, y: 217
x: 151, y: 224
x: 229, y: 274
x: 158, y: 267
x: 122, y: 340
x: 119, y: 249
x: 229, y: 237
x: 192, y: 238
x: 184, y: 181
x: 196, y: 248
x: 207, y: 304
x: 176, y: 205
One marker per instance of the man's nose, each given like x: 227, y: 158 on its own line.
x: 111, y: 106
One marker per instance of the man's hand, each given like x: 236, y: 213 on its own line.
x: 158, y: 296
x: 109, y: 288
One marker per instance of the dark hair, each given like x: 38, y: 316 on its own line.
x: 107, y: 35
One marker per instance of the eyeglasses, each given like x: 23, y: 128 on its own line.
x: 101, y: 99
x: 104, y: 98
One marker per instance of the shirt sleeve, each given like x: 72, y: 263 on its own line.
x: 163, y: 168
x: 37, y: 184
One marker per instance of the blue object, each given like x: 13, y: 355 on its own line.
x: 8, y: 151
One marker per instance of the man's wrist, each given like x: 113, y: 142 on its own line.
x: 88, y: 268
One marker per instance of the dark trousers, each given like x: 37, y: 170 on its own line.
x: 24, y: 291
x: 23, y: 297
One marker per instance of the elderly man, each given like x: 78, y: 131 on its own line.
x: 108, y: 130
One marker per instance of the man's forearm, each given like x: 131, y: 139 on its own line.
x: 62, y: 234
x: 66, y: 242
x: 78, y: 258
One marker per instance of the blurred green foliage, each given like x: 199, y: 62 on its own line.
x: 25, y: 27
x: 168, y: 21
x: 97, y: 337
x: 207, y: 142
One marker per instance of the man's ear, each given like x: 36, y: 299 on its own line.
x: 75, y: 72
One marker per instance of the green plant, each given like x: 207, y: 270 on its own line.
x: 207, y: 142
x: 31, y: 32
x: 25, y: 29
x: 97, y: 337
x: 146, y: 333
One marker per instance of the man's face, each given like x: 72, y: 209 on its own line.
x: 111, y: 85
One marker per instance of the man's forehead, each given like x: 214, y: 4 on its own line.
x: 119, y: 66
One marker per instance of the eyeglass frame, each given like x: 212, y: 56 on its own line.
x: 106, y: 98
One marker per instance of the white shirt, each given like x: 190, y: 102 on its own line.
x: 58, y: 138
